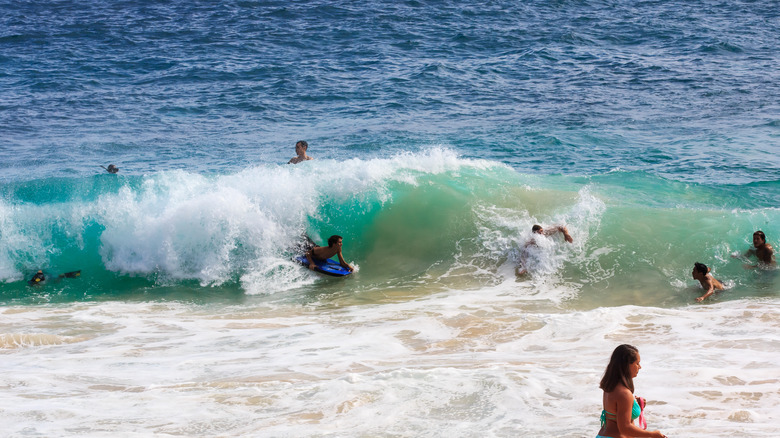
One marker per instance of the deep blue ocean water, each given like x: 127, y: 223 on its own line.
x: 649, y: 105
x: 686, y: 90
x: 441, y: 131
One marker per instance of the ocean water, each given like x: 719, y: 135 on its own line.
x: 441, y: 132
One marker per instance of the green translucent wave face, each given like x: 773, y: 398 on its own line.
x: 636, y: 237
x: 411, y: 231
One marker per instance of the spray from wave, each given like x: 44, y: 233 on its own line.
x: 416, y: 221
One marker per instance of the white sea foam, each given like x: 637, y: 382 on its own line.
x: 477, y: 363
x: 212, y: 228
x: 9, y: 238
x: 505, y: 234
x: 26, y: 237
x: 191, y: 226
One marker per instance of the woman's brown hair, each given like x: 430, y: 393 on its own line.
x: 617, y: 370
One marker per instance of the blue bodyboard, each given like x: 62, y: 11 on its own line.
x: 327, y: 267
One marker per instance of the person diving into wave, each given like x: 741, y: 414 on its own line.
x: 522, y: 268
x: 40, y: 277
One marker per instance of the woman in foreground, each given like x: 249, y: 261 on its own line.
x: 620, y: 406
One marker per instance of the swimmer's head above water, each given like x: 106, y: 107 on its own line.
x: 334, y: 240
x: 759, y: 238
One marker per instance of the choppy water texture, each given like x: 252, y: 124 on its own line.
x: 441, y: 132
x: 686, y: 89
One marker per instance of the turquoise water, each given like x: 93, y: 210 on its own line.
x: 428, y: 217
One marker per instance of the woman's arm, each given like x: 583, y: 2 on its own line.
x: 625, y: 404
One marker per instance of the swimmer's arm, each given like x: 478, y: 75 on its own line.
x: 710, y: 291
x: 771, y: 252
x: 566, y: 234
x: 760, y: 264
x: 309, y: 258
x: 748, y: 265
x: 521, y: 268
x: 746, y: 258
x: 344, y: 263
x: 560, y: 229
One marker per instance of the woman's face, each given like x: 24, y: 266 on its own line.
x: 635, y: 367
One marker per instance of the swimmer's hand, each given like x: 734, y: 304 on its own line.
x: 312, y: 266
x: 700, y: 299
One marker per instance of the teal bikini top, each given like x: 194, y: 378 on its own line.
x: 636, y: 411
